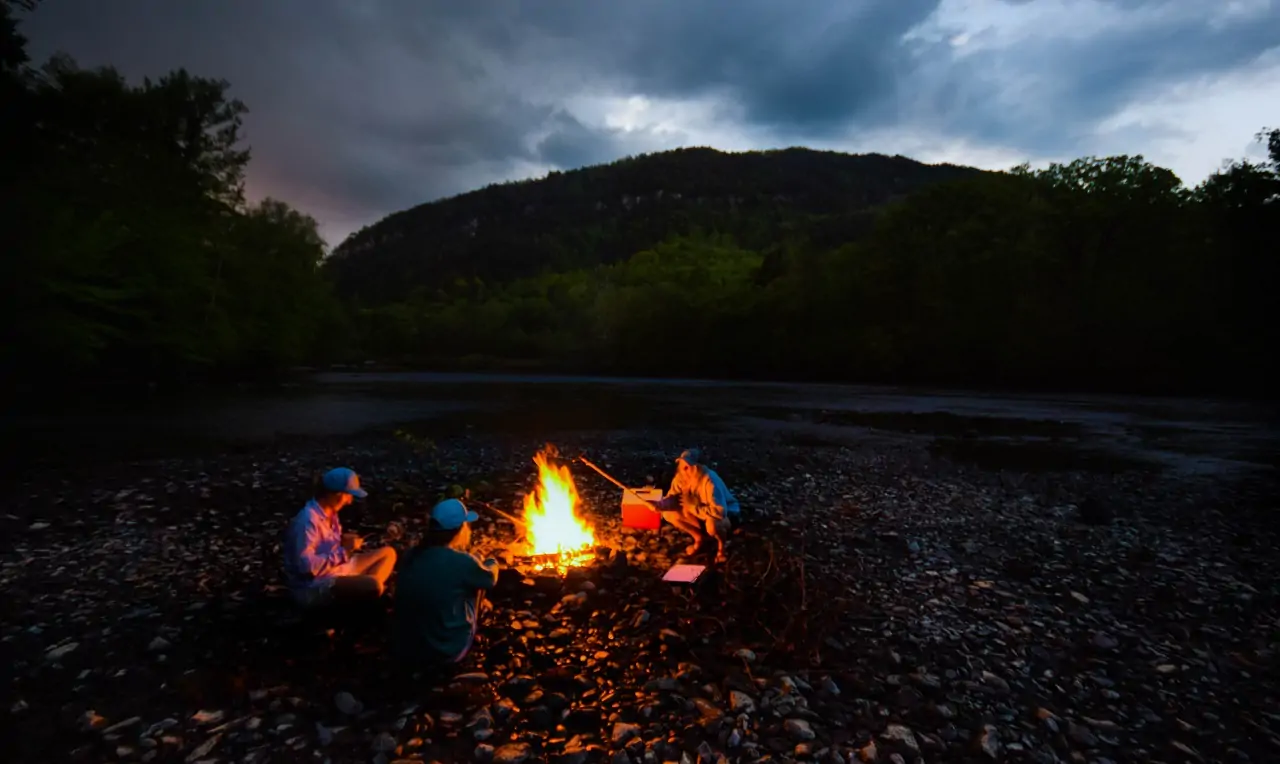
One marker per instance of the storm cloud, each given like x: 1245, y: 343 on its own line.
x: 359, y: 108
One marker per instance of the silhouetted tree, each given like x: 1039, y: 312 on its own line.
x: 129, y: 250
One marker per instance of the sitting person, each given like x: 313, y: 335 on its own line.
x: 441, y: 590
x: 699, y: 499
x: 323, y: 565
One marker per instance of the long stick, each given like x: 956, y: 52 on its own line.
x: 497, y: 511
x: 611, y: 479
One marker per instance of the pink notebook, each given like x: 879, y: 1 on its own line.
x: 684, y: 574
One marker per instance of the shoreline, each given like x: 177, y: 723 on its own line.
x: 966, y: 606
x: 1019, y: 433
x: 46, y: 392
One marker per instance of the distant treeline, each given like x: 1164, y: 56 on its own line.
x: 1103, y: 274
x: 131, y: 253
x: 604, y: 214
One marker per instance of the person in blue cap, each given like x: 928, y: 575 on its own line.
x: 698, y: 499
x: 441, y: 589
x: 321, y: 563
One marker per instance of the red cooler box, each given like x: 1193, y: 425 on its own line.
x: 637, y: 514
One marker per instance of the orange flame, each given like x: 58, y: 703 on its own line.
x: 551, y: 512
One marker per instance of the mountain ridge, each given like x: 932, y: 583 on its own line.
x: 605, y: 213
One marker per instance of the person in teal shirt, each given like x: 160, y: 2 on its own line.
x: 441, y: 589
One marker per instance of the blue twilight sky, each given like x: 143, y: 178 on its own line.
x: 360, y: 108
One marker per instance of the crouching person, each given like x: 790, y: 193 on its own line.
x: 699, y: 504
x: 441, y: 590
x: 322, y: 564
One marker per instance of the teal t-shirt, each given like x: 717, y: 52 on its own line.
x: 436, y: 602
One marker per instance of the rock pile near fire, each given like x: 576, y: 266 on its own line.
x: 878, y: 607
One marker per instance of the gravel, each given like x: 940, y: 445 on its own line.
x: 879, y: 605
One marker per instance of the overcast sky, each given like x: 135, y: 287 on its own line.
x: 359, y: 108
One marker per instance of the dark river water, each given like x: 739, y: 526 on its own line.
x: 1014, y: 431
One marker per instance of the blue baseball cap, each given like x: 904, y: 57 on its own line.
x: 689, y: 456
x: 450, y: 514
x: 343, y: 480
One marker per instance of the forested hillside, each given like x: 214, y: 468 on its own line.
x: 130, y: 252
x: 1103, y: 274
x: 604, y: 214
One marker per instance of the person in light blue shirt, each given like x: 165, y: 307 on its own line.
x: 441, y: 589
x: 699, y: 500
x: 321, y: 563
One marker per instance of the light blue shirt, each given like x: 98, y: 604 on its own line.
x: 705, y: 491
x: 313, y: 547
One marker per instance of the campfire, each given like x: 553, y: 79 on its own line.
x: 558, y: 537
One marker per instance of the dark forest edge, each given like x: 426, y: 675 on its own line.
x: 131, y: 254
x: 132, y: 257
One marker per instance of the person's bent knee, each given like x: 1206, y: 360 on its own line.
x: 381, y: 555
x: 386, y: 561
x: 378, y: 563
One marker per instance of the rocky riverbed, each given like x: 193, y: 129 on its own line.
x: 880, y: 604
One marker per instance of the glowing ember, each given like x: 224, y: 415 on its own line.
x: 551, y: 512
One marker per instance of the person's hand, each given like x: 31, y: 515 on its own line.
x: 352, y: 542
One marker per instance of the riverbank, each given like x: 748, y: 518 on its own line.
x: 1025, y: 432
x: 881, y: 600
x: 54, y: 392
x: 1157, y: 385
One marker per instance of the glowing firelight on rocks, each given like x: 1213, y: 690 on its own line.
x: 551, y: 512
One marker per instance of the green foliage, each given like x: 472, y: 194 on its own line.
x: 604, y: 214
x: 686, y: 286
x: 1103, y: 273
x: 130, y: 251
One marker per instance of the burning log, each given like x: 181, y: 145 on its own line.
x: 553, y: 575
x: 557, y: 537
x: 558, y: 562
x: 562, y: 564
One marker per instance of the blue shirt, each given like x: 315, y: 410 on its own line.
x: 313, y: 547
x: 703, y: 490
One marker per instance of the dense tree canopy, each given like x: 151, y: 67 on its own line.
x: 1099, y: 273
x: 604, y: 214
x: 130, y: 251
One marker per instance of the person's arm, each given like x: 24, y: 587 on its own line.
x: 671, y: 501
x: 667, y: 503
x: 481, y: 575
x: 311, y: 560
x: 717, y: 504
